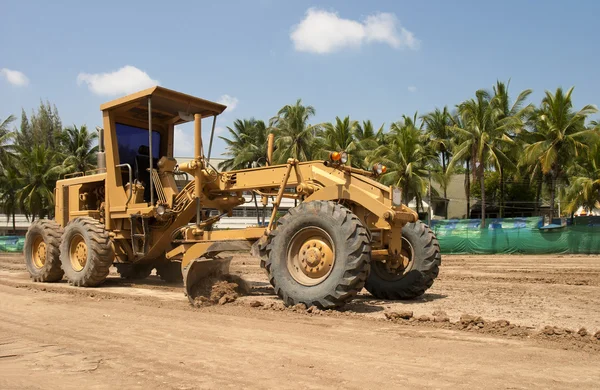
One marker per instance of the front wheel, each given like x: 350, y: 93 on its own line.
x: 319, y: 255
x: 86, y: 252
x: 416, y: 270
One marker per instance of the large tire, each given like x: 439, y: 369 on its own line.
x: 134, y: 271
x: 340, y: 230
x: 42, y: 251
x: 86, y: 252
x: 420, y: 274
x: 169, y: 271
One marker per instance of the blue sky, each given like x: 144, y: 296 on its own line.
x: 373, y: 60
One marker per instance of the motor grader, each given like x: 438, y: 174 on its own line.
x: 347, y: 232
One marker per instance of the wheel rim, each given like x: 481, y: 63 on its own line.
x: 311, y: 256
x: 78, y: 252
x: 38, y: 252
x: 393, y: 270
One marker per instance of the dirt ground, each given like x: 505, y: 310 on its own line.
x: 489, y: 321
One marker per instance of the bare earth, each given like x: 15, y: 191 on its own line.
x: 146, y: 335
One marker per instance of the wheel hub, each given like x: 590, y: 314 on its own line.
x: 39, y: 252
x: 78, y: 253
x: 395, y: 267
x: 310, y: 256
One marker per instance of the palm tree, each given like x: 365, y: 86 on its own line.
x: 246, y: 144
x: 458, y: 139
x: 80, y: 155
x: 437, y: 124
x: 39, y: 169
x: 482, y: 139
x: 9, y: 185
x: 584, y: 185
x: 407, y: 157
x: 559, y: 136
x: 367, y: 140
x: 340, y: 136
x: 511, y: 117
x: 6, y: 136
x: 294, y: 136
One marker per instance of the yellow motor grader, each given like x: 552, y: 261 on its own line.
x: 347, y: 232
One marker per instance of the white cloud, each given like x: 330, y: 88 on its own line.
x: 230, y: 101
x: 183, y: 141
x: 412, y: 88
x: 325, y: 32
x: 126, y: 80
x: 14, y: 77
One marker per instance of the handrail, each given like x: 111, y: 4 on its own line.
x: 130, y: 180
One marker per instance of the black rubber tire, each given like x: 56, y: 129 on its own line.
x: 134, y: 271
x: 100, y: 252
x: 426, y: 263
x: 352, y: 255
x: 51, y: 233
x: 169, y: 271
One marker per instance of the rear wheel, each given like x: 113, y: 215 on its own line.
x: 42, y: 251
x: 86, y: 252
x: 415, y: 271
x: 319, y: 255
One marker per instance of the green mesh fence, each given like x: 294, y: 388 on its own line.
x: 11, y: 243
x: 518, y: 235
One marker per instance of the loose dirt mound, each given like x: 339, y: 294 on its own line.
x: 218, y: 290
x: 471, y: 323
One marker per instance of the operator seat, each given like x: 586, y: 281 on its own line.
x: 142, y: 166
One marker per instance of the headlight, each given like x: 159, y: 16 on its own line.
x: 396, y: 196
x: 379, y: 168
x: 160, y: 209
x: 343, y: 157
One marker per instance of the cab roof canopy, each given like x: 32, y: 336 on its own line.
x: 168, y: 106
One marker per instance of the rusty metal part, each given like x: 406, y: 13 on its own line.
x: 310, y: 256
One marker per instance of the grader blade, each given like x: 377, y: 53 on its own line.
x: 202, y: 268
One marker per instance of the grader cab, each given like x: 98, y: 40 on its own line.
x: 347, y: 232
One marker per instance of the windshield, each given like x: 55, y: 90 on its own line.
x: 133, y: 141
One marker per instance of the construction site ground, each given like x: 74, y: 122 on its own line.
x: 493, y: 321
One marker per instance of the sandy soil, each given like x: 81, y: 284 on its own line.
x: 146, y: 335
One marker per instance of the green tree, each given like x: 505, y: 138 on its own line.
x: 45, y: 126
x: 408, y: 158
x: 482, y: 139
x: 79, y: 150
x: 340, y: 136
x: 559, y: 136
x: 39, y: 168
x: 246, y: 145
x: 367, y: 140
x: 6, y: 137
x: 438, y: 124
x: 510, y: 119
x: 10, y: 183
x: 294, y: 137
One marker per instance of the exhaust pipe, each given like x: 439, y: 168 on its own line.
x: 101, y: 154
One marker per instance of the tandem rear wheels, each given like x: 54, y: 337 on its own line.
x: 319, y: 254
x: 82, y: 252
